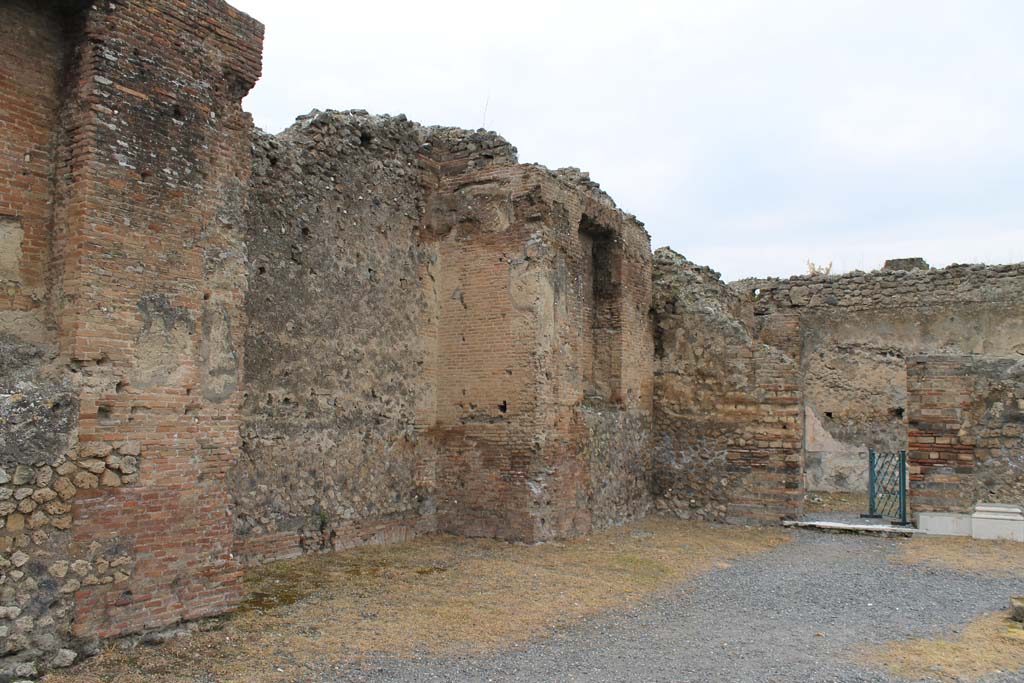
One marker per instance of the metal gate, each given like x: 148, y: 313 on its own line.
x: 887, y: 485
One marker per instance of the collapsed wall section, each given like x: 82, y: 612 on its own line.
x: 728, y: 429
x: 966, y: 418
x: 856, y: 330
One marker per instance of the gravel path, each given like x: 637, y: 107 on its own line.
x: 791, y: 615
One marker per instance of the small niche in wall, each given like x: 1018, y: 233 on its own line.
x: 604, y: 263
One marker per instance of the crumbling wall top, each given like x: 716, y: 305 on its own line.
x: 887, y: 288
x: 695, y: 288
x: 913, y: 263
x: 318, y: 146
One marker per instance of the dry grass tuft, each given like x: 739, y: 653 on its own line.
x: 992, y: 558
x: 993, y: 644
x: 436, y: 595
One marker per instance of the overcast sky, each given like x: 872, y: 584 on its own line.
x: 749, y: 136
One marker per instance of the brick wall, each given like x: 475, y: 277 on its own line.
x: 154, y: 302
x: 855, y: 332
x: 125, y: 158
x: 522, y: 341
x: 33, y: 49
x: 727, y: 422
x: 450, y: 390
x: 966, y: 417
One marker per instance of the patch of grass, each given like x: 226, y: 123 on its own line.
x: 958, y: 553
x: 435, y: 595
x: 993, y: 644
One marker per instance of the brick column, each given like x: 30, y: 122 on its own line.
x: 940, y: 458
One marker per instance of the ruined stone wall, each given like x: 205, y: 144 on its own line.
x: 728, y: 429
x: 597, y: 353
x: 966, y: 419
x: 856, y: 331
x: 421, y: 341
x: 521, y: 346
x: 488, y: 281
x: 514, y: 282
x: 339, y: 343
x: 123, y: 159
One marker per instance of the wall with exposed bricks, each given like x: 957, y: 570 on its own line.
x: 857, y: 329
x: 966, y: 432
x: 467, y: 380
x: 392, y: 329
x: 125, y: 160
x: 727, y: 421
x: 221, y: 347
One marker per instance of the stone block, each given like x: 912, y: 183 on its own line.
x: 992, y: 521
x: 944, y: 523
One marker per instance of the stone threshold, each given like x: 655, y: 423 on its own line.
x: 852, y: 528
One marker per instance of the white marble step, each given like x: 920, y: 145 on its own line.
x: 853, y: 528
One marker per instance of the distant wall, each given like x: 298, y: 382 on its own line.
x: 856, y: 331
x: 966, y: 417
x: 728, y: 429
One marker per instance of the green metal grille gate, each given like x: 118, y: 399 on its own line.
x: 887, y: 486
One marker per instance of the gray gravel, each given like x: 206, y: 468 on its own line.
x: 791, y: 615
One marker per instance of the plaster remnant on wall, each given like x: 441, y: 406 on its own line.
x: 830, y: 464
x: 219, y: 361
x: 164, y: 342
x: 11, y: 236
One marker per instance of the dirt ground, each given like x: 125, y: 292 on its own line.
x: 659, y: 600
x: 989, y: 645
x: 826, y: 501
x: 958, y: 553
x: 437, y: 596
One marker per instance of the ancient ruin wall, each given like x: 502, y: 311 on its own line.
x: 856, y: 331
x: 339, y: 380
x: 516, y: 345
x: 597, y: 349
x: 422, y: 338
x: 728, y: 430
x: 123, y: 158
x: 966, y: 419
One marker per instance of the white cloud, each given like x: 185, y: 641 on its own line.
x: 732, y: 128
x: 884, y: 125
